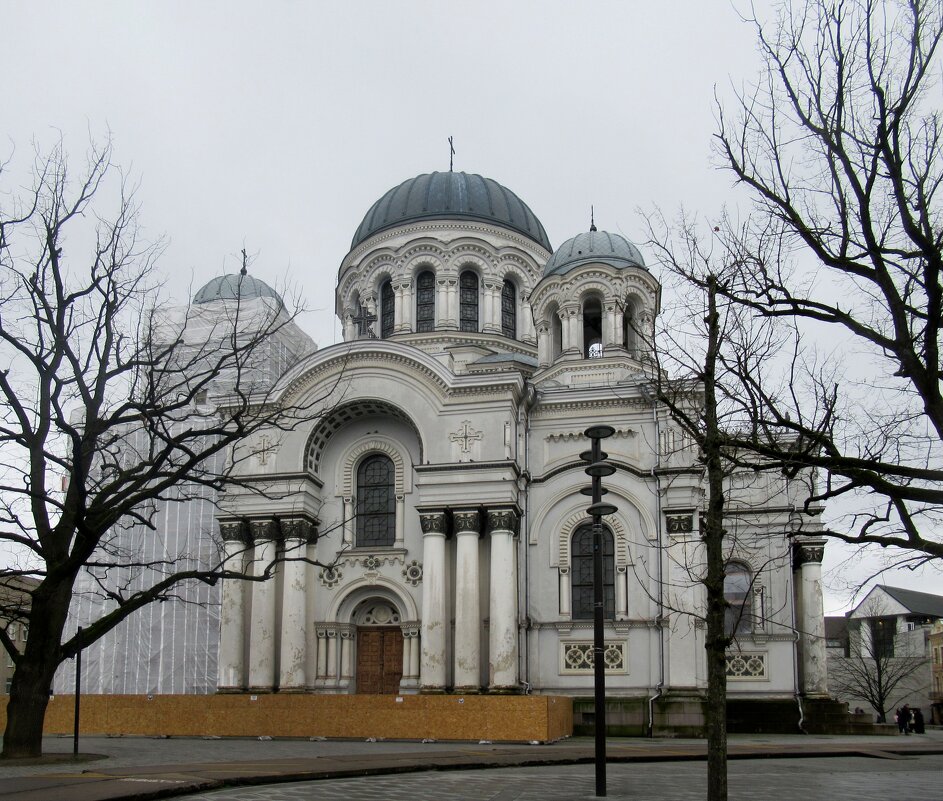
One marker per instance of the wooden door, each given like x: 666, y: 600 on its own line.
x: 379, y: 660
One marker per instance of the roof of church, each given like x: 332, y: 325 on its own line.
x: 447, y: 196
x: 594, y: 246
x: 235, y: 286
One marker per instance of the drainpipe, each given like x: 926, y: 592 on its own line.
x: 523, y: 419
x: 660, y: 686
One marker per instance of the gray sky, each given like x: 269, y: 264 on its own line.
x: 275, y: 125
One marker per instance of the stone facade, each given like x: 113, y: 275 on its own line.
x: 435, y: 491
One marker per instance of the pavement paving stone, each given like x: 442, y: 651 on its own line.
x: 857, y: 778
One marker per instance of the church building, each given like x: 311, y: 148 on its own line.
x: 437, y: 484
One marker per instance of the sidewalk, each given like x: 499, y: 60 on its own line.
x: 140, y: 768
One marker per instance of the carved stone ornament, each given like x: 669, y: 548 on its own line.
x: 680, y: 524
x: 804, y: 553
x: 502, y: 520
x: 432, y: 523
x: 330, y: 576
x: 263, y: 530
x: 298, y: 528
x: 466, y: 521
x: 233, y: 531
x: 465, y: 436
x: 413, y: 573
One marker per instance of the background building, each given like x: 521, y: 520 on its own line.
x: 882, y: 653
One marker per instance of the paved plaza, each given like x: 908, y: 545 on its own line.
x: 781, y: 768
x: 835, y: 779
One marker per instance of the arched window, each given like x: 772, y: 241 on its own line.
x: 738, y: 582
x: 376, y: 502
x: 581, y: 572
x: 386, y: 310
x: 425, y: 301
x: 509, y: 310
x: 592, y: 329
x: 468, y: 301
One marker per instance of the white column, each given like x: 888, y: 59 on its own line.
x: 434, y: 618
x: 502, y: 640
x: 348, y: 521
x: 450, y: 313
x: 492, y: 315
x: 807, y: 564
x: 331, y: 657
x: 315, y: 643
x: 293, y: 654
x: 467, y: 670
x: 347, y: 647
x: 566, y: 593
x: 322, y: 655
x: 442, y: 305
x: 622, y: 600
x: 525, y: 321
x: 397, y: 307
x: 262, y: 635
x: 400, y: 521
x: 571, y: 337
x: 544, y: 345
x: 232, y: 610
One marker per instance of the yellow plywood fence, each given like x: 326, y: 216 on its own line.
x: 507, y: 718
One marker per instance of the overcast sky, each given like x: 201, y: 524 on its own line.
x: 275, y: 125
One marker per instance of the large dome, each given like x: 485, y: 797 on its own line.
x: 594, y: 246
x: 233, y: 287
x: 449, y: 196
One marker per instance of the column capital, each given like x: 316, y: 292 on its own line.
x: 466, y: 520
x: 234, y: 531
x: 299, y: 528
x: 502, y: 520
x: 433, y: 522
x: 263, y: 530
x: 807, y: 551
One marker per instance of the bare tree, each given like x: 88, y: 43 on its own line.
x: 838, y: 146
x: 107, y: 408
x: 699, y: 352
x: 881, y: 662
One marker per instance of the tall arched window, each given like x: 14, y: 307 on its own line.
x: 581, y: 572
x: 425, y: 301
x: 592, y: 328
x: 386, y: 310
x: 376, y: 502
x: 509, y: 310
x: 468, y: 301
x: 738, y: 582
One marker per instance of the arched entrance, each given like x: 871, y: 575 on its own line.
x: 379, y: 648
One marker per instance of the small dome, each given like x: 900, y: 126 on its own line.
x: 233, y: 287
x: 594, y: 246
x: 448, y: 196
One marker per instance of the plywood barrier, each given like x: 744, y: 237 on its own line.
x: 441, y: 717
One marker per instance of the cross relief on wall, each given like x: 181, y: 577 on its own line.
x: 465, y: 436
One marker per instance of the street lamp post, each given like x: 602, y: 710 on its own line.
x: 597, y: 468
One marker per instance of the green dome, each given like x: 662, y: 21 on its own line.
x: 235, y: 286
x: 594, y: 247
x: 451, y: 196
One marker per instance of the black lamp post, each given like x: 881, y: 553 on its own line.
x: 597, y: 468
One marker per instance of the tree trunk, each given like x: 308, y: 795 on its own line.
x: 713, y: 537
x: 35, y: 670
